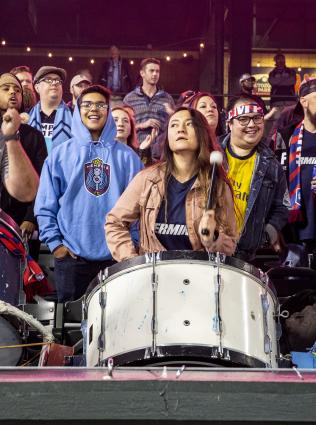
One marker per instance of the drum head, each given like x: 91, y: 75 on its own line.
x: 9, y: 336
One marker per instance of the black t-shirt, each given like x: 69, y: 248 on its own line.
x: 171, y: 230
x: 308, y: 161
x: 47, y: 128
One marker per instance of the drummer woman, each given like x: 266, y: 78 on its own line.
x: 169, y: 198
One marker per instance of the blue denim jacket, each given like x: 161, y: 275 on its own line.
x: 268, y: 201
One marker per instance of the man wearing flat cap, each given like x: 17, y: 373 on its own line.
x: 51, y: 115
x: 296, y: 150
x: 16, y: 172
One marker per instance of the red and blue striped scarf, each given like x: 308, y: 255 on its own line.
x: 34, y: 279
x: 295, y: 173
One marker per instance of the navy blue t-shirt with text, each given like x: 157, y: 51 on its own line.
x: 307, y: 162
x: 173, y: 233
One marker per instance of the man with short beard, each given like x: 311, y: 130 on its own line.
x: 78, y: 83
x: 33, y: 143
x: 51, y: 115
x: 24, y: 75
x: 16, y: 172
x: 296, y: 150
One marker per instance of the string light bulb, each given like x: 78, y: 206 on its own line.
x: 185, y: 55
x: 3, y: 42
x: 168, y: 58
x: 131, y: 62
x: 258, y: 64
x: 28, y: 49
x: 70, y: 58
x: 92, y: 61
x: 202, y: 45
x: 299, y: 69
x: 50, y: 55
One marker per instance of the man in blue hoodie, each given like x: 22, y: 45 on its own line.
x: 80, y: 183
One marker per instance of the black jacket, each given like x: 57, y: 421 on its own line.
x: 125, y: 80
x: 268, y: 201
x: 33, y: 143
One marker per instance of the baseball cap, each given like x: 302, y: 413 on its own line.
x: 79, y: 78
x: 307, y: 86
x: 246, y: 77
x: 8, y: 78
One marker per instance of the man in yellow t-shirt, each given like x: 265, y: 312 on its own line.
x: 240, y: 171
x: 257, y: 178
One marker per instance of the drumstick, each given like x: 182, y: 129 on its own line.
x: 24, y: 118
x: 216, y: 158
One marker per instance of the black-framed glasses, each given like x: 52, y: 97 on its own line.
x: 244, y: 120
x: 52, y: 81
x: 87, y: 105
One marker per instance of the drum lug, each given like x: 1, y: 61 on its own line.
x: 265, y: 308
x: 220, y: 353
x: 102, y: 299
x: 101, y: 338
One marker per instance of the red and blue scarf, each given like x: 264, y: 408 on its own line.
x: 295, y: 189
x: 34, y: 279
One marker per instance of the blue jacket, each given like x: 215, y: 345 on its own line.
x: 80, y: 183
x: 62, y: 123
x: 268, y: 202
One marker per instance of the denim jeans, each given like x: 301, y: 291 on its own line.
x: 72, y: 276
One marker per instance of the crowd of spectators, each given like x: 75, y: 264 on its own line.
x: 86, y: 152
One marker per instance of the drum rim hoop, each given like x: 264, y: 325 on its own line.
x: 251, y: 359
x: 269, y: 288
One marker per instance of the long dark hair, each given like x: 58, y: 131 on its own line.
x: 207, y: 144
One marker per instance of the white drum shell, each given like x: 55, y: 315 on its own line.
x: 185, y: 311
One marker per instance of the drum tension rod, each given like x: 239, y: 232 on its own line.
x: 154, y: 323
x: 101, y: 338
x: 217, y: 322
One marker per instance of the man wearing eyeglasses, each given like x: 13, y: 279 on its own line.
x: 51, y: 115
x: 257, y: 178
x: 80, y: 183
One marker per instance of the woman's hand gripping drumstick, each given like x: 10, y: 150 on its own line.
x: 207, y: 227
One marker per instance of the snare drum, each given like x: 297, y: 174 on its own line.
x: 182, y: 307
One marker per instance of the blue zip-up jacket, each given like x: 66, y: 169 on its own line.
x: 268, y: 203
x: 62, y: 123
x: 80, y: 183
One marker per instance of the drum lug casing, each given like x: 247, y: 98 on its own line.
x: 265, y: 308
x: 101, y: 338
